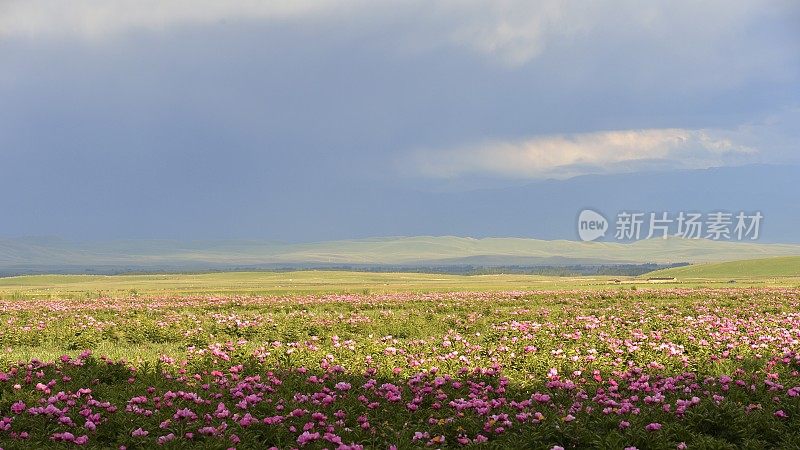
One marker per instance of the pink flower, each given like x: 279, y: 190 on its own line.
x: 655, y: 426
x: 541, y: 398
x: 247, y: 420
x: 780, y: 414
x: 18, y: 407
x: 139, y: 433
x: 208, y: 431
x: 65, y: 436
x: 307, y: 437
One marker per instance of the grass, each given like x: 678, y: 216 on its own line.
x: 322, y: 282
x: 787, y: 266
x: 264, y: 283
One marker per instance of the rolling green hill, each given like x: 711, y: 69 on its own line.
x: 788, y: 266
x: 19, y: 256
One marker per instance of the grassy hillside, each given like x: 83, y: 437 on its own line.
x: 788, y: 266
x: 55, y: 256
x: 426, y: 249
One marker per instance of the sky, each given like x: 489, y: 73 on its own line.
x: 199, y: 119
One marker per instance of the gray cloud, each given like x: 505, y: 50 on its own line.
x: 512, y: 31
x: 199, y: 118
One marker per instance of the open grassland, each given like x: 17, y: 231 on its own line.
x: 322, y: 282
x: 786, y: 266
x: 652, y: 368
x: 271, y: 283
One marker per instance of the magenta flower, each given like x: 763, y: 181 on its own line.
x: 655, y: 426
x: 18, y: 407
x: 307, y: 437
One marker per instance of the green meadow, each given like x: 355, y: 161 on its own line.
x: 788, y: 267
x: 778, y: 271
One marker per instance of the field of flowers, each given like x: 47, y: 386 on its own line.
x: 650, y: 369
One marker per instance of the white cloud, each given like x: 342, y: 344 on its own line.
x: 563, y: 156
x: 94, y: 19
x: 513, y: 32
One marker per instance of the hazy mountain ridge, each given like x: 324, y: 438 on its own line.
x: 28, y: 255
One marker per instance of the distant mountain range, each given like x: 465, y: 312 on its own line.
x: 47, y: 255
